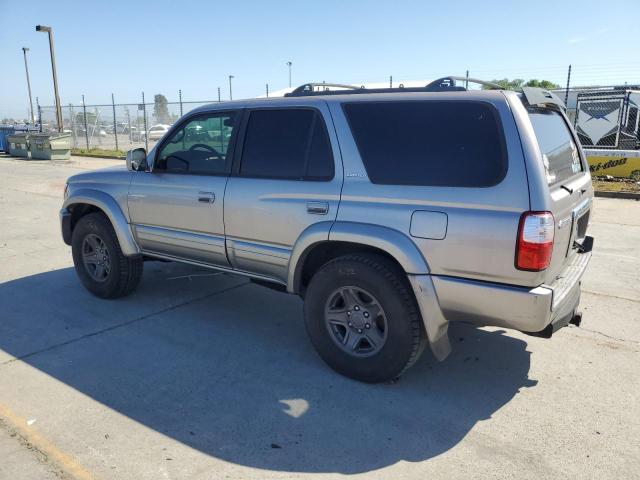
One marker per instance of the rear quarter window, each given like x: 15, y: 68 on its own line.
x: 559, y: 152
x: 429, y: 143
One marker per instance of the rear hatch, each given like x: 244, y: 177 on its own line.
x: 568, y: 179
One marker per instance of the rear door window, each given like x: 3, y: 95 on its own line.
x: 559, y: 152
x: 290, y: 144
x: 429, y: 143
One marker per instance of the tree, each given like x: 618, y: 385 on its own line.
x: 160, y: 110
x: 518, y: 83
x: 542, y: 84
x: 515, y: 84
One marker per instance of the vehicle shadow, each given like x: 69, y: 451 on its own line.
x: 233, y: 375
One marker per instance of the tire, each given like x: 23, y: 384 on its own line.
x: 123, y: 273
x: 373, y: 282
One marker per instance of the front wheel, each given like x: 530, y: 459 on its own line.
x: 99, y: 262
x: 363, y: 319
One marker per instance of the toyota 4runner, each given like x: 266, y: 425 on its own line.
x: 391, y: 212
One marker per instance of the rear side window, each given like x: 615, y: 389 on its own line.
x: 287, y: 144
x: 429, y: 143
x: 559, y: 152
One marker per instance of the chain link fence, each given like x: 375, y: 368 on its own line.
x: 115, y: 127
x: 607, y: 117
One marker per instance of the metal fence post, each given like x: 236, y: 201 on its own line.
x: 566, y: 95
x: 73, y: 126
x: 144, y: 122
x: 39, y: 115
x: 86, y: 130
x: 126, y: 110
x: 180, y: 97
x: 115, y: 124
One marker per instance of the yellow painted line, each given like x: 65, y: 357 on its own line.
x: 65, y: 461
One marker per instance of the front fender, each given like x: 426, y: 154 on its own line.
x: 112, y: 210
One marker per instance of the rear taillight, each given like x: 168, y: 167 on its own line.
x: 535, y: 241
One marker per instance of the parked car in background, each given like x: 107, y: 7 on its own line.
x: 137, y: 134
x: 391, y: 212
x: 157, y: 131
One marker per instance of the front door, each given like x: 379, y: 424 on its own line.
x: 176, y: 209
x: 286, y: 181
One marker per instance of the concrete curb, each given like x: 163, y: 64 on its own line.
x: 625, y: 195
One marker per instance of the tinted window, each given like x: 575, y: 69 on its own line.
x: 199, y: 146
x: 287, y: 144
x: 431, y: 143
x: 320, y: 161
x: 559, y: 152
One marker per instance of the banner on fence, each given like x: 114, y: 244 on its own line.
x: 617, y: 163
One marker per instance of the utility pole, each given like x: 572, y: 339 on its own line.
x: 230, y: 90
x: 42, y: 28
x: 26, y: 67
x: 289, y: 65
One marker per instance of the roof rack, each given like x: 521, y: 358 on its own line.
x: 444, y: 84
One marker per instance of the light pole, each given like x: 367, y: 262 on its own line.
x: 230, y: 90
x: 42, y: 28
x: 26, y: 67
x: 289, y: 65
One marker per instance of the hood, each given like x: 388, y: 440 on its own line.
x: 115, y: 174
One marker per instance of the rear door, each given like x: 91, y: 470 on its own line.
x: 569, y: 184
x: 285, y: 180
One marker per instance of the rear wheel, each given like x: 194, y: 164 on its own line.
x: 98, y: 259
x: 363, y: 319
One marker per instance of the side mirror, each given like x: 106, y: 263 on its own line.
x: 137, y: 160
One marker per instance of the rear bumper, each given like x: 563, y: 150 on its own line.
x: 529, y: 310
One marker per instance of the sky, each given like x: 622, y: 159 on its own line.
x: 160, y: 46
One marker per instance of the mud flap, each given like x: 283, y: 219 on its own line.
x: 435, y: 324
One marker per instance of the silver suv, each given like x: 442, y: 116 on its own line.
x: 391, y: 212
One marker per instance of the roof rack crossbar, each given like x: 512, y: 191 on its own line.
x: 492, y: 86
x: 444, y: 84
x: 313, y: 87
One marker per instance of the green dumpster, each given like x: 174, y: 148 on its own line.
x: 50, y: 146
x: 18, y: 145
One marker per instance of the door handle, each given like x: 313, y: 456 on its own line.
x: 206, y: 197
x: 318, y: 208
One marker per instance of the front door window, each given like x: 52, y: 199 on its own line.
x: 199, y: 147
